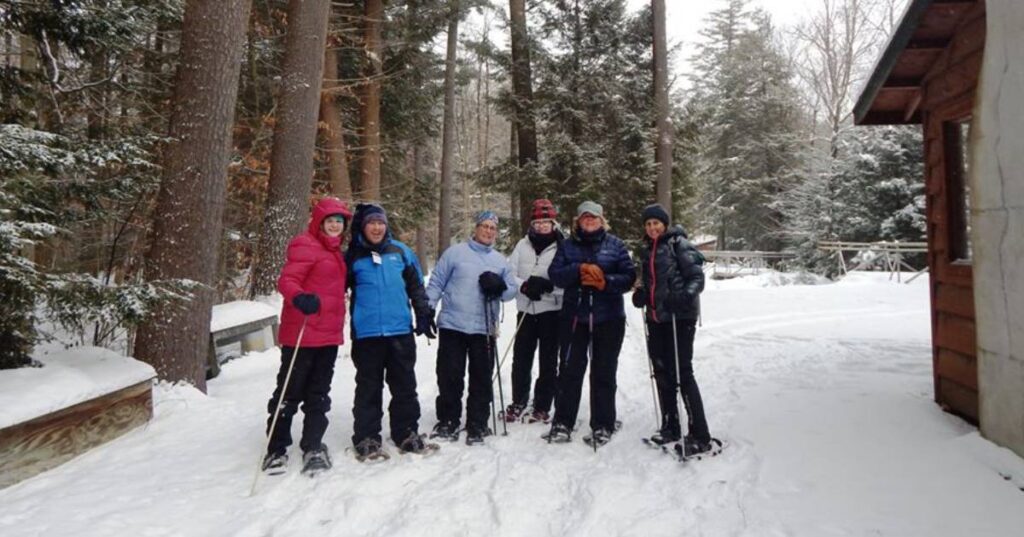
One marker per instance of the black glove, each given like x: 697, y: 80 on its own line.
x: 425, y: 325
x: 492, y: 285
x: 639, y: 297
x: 307, y: 303
x: 535, y: 286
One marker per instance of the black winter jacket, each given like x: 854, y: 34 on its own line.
x: 673, y: 271
x: 604, y: 250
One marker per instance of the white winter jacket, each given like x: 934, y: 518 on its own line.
x: 525, y: 263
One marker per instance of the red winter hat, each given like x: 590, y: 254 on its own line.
x: 543, y: 210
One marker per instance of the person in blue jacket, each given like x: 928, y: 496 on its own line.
x: 469, y: 281
x: 594, y: 268
x: 385, y: 277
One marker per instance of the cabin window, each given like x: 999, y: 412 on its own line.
x: 958, y: 191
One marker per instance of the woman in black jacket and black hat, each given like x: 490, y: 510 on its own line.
x: 670, y: 294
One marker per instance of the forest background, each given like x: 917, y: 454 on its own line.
x: 156, y: 157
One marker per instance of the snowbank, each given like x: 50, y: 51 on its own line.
x: 239, y: 312
x: 68, y: 377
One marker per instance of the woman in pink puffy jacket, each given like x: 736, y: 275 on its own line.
x: 312, y: 283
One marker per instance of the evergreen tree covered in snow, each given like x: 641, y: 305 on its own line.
x: 594, y: 106
x: 80, y: 107
x: 872, y: 190
x: 744, y: 103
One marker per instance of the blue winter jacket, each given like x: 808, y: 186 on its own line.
x: 455, y: 282
x: 382, y: 287
x: 606, y: 251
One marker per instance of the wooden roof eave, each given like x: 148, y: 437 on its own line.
x: 883, y: 67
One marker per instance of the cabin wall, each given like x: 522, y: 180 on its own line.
x: 947, y: 101
x: 997, y: 211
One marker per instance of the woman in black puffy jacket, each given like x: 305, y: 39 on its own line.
x: 670, y: 294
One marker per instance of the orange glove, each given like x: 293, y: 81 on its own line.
x: 592, y: 276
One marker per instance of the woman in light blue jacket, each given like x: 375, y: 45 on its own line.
x: 469, y: 281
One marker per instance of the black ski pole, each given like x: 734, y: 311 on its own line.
x: 487, y: 347
x: 590, y: 348
x: 501, y: 392
x: 650, y: 368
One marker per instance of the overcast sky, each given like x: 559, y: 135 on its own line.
x: 686, y: 18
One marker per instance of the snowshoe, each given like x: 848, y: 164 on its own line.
x: 475, y: 435
x: 512, y: 413
x: 315, y: 461
x: 446, y: 430
x: 597, y: 438
x: 370, y: 450
x: 691, y: 449
x: 559, y: 434
x: 275, y: 463
x: 538, y: 416
x: 416, y: 443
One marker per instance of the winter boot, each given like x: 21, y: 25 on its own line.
x: 538, y: 416
x: 369, y: 449
x: 513, y: 413
x: 475, y: 434
x: 559, y: 434
x: 446, y: 430
x: 694, y: 448
x: 315, y: 461
x: 415, y: 443
x: 275, y: 463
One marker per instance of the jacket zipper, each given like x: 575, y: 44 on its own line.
x: 654, y: 279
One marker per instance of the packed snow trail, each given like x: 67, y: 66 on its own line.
x: 824, y: 393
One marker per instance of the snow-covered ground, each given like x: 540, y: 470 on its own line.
x: 823, y: 392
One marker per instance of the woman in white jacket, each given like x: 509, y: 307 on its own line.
x: 538, y: 302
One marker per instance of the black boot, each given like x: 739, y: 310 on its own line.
x: 669, y: 431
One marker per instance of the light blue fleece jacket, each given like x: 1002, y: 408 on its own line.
x: 455, y: 283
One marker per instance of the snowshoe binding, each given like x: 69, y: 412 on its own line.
x: 416, y: 443
x: 475, y: 435
x: 559, y: 434
x: 538, y: 416
x: 691, y: 449
x: 446, y: 430
x: 513, y: 413
x: 316, y: 461
x: 275, y: 463
x: 598, y: 438
x: 370, y: 450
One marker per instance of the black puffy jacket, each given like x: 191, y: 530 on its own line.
x: 674, y: 270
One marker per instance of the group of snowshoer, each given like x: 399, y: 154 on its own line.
x: 569, y: 296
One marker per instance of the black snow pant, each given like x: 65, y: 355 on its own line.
x: 606, y: 341
x: 542, y: 329
x: 453, y: 349
x: 310, y: 384
x: 380, y: 359
x: 660, y: 348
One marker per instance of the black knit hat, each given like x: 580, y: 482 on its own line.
x: 657, y: 212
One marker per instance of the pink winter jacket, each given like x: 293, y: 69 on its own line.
x: 315, y: 265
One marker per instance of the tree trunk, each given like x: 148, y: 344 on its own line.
x: 369, y: 188
x: 663, y: 148
x: 334, y: 135
x: 421, y: 232
x: 522, y: 88
x: 192, y: 191
x: 291, y: 157
x: 444, y: 230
